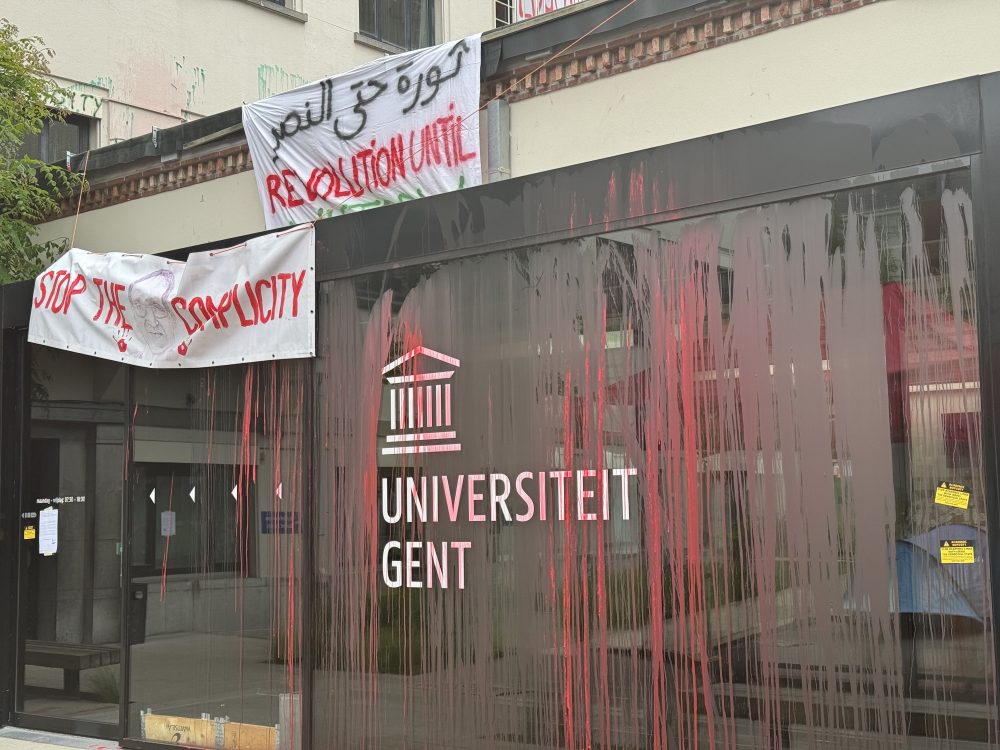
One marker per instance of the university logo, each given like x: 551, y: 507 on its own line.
x: 420, y: 419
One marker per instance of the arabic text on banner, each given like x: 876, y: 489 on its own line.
x: 398, y: 128
x: 247, y: 303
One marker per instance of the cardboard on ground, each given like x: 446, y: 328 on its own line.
x: 179, y: 730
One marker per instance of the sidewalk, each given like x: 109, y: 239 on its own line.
x: 14, y: 738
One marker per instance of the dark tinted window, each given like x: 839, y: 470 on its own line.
x: 405, y: 23
x: 57, y: 137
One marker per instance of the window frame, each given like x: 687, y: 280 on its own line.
x: 377, y: 34
x: 82, y: 122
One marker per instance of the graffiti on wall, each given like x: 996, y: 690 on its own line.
x: 191, y: 79
x: 84, y: 98
x: 122, y: 107
x: 274, y: 79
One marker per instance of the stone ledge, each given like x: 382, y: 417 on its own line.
x: 281, y: 10
x: 370, y: 41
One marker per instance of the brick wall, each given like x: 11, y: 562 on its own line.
x: 726, y: 24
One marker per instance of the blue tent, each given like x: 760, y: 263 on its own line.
x: 926, y: 586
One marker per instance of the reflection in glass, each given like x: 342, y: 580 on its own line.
x: 69, y: 644
x: 791, y: 385
x: 216, y: 529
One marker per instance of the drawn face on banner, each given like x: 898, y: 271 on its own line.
x: 150, y: 298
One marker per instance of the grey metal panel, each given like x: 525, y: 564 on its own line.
x: 985, y: 194
x: 925, y: 125
x: 168, y: 141
x: 519, y: 41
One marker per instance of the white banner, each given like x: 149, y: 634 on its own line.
x: 395, y: 129
x: 247, y: 303
x: 525, y: 9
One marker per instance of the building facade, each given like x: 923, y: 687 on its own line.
x: 690, y: 444
x: 143, y: 69
x: 714, y: 67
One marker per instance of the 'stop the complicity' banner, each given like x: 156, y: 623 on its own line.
x: 247, y: 303
x: 395, y: 129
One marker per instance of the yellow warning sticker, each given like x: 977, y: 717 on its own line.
x: 957, y: 552
x: 29, y: 533
x: 953, y: 495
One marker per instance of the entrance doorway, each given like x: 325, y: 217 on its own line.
x: 152, y: 543
x: 69, y: 649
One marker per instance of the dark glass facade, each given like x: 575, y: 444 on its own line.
x: 628, y: 455
x: 683, y: 490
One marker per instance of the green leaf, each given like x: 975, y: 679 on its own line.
x: 30, y: 191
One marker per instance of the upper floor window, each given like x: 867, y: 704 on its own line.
x: 504, y: 12
x: 404, y: 23
x: 57, y: 137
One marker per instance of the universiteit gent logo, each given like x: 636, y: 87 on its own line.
x: 420, y: 406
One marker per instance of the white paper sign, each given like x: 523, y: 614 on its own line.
x: 247, y: 303
x: 48, y: 531
x: 168, y: 523
x: 395, y: 129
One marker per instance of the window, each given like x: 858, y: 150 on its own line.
x: 57, y: 137
x: 198, y: 535
x: 404, y: 23
x: 504, y: 12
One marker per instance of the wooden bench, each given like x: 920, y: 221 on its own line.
x: 71, y: 658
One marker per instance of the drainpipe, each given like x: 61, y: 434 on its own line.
x: 498, y: 140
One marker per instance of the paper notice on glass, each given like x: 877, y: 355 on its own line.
x: 168, y: 523
x: 48, y: 531
x: 957, y: 552
x: 952, y: 494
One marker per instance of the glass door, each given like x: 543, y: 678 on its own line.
x: 215, y: 506
x: 69, y: 585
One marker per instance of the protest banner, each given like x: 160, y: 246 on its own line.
x: 525, y: 9
x: 247, y: 303
x: 395, y: 129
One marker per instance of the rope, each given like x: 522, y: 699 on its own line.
x: 79, y: 199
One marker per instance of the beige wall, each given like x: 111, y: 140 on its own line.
x: 134, y: 65
x: 891, y: 46
x: 458, y: 18
x: 212, y: 210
